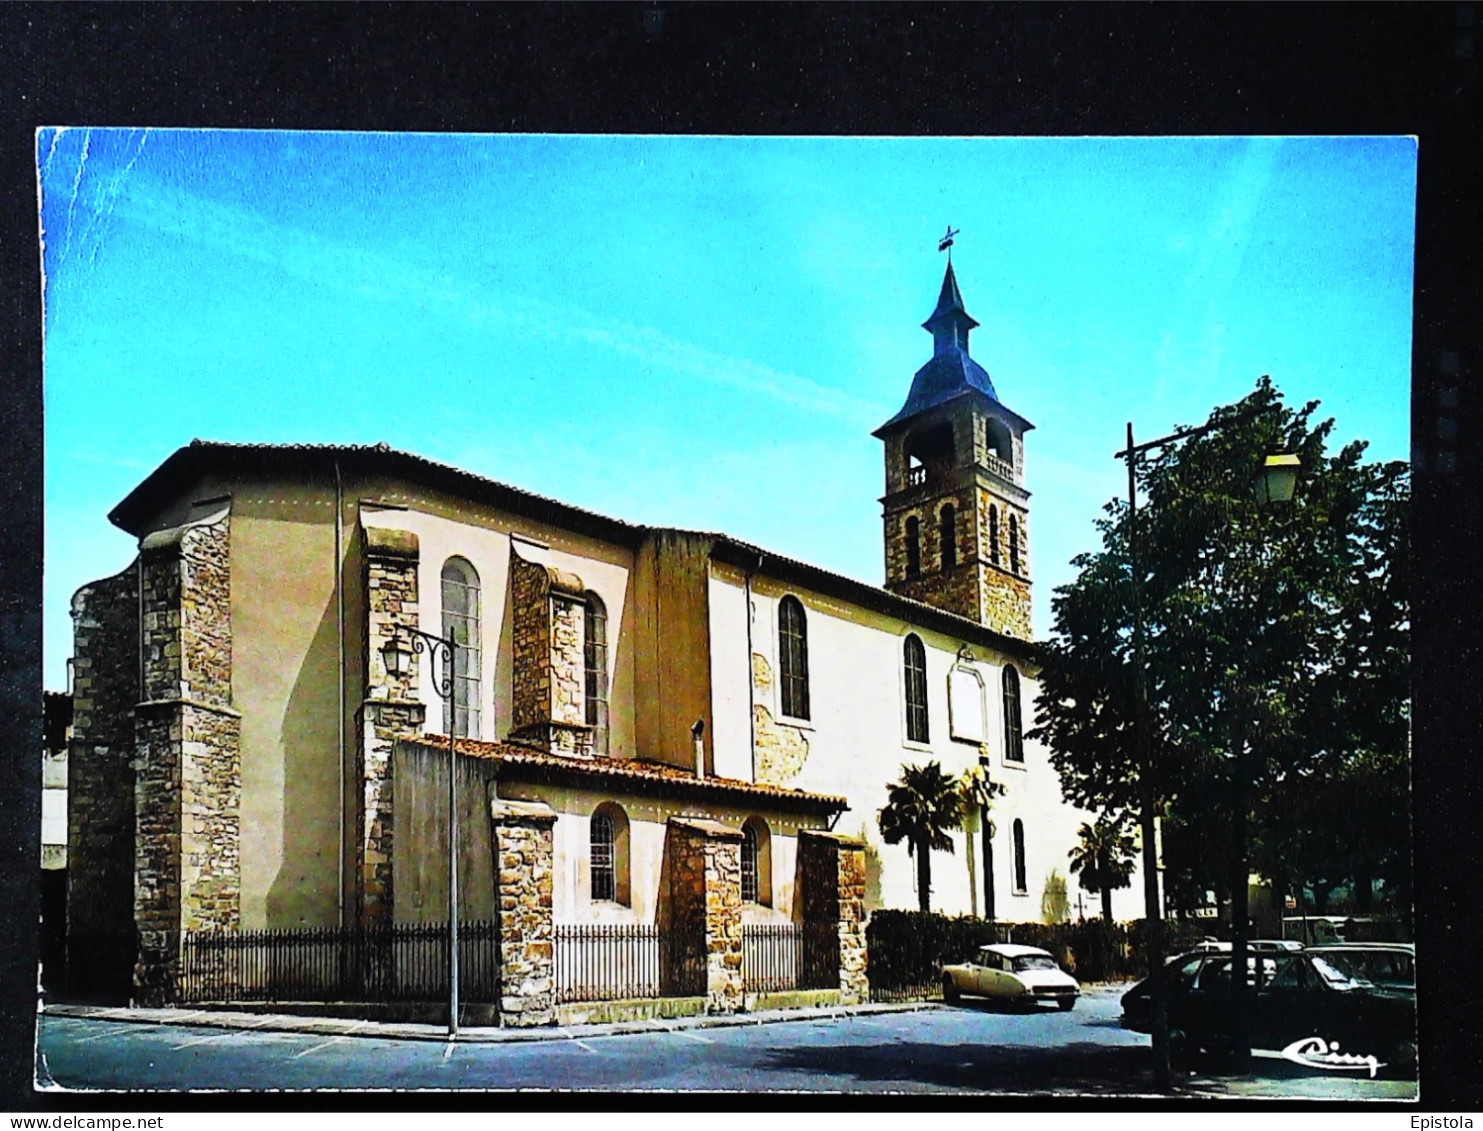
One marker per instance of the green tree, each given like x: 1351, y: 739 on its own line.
x: 1103, y: 859
x: 1275, y: 646
x: 1055, y: 904
x: 922, y: 809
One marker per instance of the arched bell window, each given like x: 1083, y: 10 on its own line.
x: 1014, y: 544
x: 948, y: 534
x: 913, y: 546
x: 993, y: 534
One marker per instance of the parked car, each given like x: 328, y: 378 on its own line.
x: 1295, y: 994
x: 1009, y: 972
x: 1255, y: 946
x: 1389, y: 966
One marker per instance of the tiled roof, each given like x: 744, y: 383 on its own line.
x: 647, y: 777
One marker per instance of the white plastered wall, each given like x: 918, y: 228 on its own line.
x: 857, y: 745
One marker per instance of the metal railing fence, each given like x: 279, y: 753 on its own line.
x: 608, y: 961
x: 397, y: 962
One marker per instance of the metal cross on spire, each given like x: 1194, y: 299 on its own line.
x: 946, y: 242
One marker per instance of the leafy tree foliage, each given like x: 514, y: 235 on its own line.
x: 922, y: 809
x: 1276, y: 647
x: 1103, y: 859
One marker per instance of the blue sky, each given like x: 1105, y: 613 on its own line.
x: 697, y: 332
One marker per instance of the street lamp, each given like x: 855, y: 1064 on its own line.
x: 1274, y: 483
x: 398, y: 660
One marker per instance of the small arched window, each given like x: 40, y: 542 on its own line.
x: 949, y: 537
x: 595, y: 658
x: 756, y: 862
x: 1014, y: 741
x: 993, y: 534
x: 914, y: 660
x: 608, y: 862
x: 1014, y: 544
x: 793, y: 657
x: 461, y: 625
x: 1019, y: 857
x: 913, y: 547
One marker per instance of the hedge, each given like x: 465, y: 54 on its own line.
x: 909, y: 948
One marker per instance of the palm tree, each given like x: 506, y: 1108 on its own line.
x: 921, y: 809
x: 1104, y: 859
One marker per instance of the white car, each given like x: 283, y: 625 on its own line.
x: 1022, y: 975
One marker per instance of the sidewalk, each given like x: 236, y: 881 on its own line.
x: 409, y: 1031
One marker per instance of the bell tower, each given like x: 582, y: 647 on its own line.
x: 956, y: 512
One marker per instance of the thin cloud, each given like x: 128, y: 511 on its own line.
x: 382, y: 278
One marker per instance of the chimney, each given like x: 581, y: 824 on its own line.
x: 697, y: 732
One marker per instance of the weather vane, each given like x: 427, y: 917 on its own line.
x: 946, y: 243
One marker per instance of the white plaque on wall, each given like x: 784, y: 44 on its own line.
x: 965, y: 697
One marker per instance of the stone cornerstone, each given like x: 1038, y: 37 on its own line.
x: 832, y: 871
x: 390, y: 710
x: 188, y: 777
x: 704, y: 912
x: 523, y: 877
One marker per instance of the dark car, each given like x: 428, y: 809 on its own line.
x: 1293, y: 995
x: 1389, y: 966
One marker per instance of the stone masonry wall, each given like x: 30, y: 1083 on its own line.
x: 187, y: 789
x: 832, y: 885
x: 390, y: 708
x: 522, y: 834
x: 549, y: 689
x: 100, y: 779
x: 705, y: 911
x: 782, y: 750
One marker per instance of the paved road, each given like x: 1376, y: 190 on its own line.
x: 970, y: 1048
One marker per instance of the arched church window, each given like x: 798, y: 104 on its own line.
x: 949, y: 537
x: 608, y: 859
x: 461, y: 625
x: 595, y: 659
x: 1020, y: 884
x: 915, y: 662
x: 913, y: 546
x: 793, y: 657
x: 1014, y: 740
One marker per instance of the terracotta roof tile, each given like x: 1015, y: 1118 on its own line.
x: 640, y: 773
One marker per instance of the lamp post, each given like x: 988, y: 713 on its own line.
x: 398, y: 663
x: 1274, y: 484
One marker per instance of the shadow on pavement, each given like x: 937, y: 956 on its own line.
x: 1084, y: 1068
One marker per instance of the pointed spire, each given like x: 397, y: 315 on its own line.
x: 950, y: 322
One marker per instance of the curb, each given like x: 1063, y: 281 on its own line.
x: 408, y: 1031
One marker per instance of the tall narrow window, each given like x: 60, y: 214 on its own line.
x: 1014, y: 741
x: 913, y: 547
x: 608, y: 862
x: 756, y: 862
x: 1019, y: 856
x: 461, y: 625
x: 595, y: 656
x: 949, y: 533
x: 993, y: 534
x: 793, y: 657
x: 915, y: 659
x: 1014, y: 544
x: 749, y: 864
x: 604, y: 885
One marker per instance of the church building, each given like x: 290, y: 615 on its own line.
x: 262, y: 722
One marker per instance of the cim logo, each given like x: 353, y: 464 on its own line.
x: 1315, y: 1052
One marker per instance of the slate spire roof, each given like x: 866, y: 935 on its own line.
x: 951, y: 373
